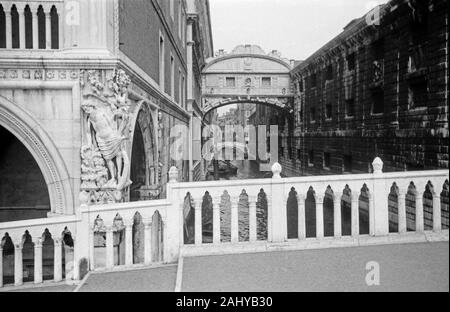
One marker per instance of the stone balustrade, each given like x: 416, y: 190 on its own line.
x: 201, y: 218
x: 32, y: 24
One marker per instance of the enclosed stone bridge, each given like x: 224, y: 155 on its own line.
x: 247, y: 75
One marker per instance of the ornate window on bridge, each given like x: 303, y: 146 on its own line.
x: 230, y: 82
x: 266, y: 82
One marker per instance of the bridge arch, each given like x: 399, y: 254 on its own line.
x: 40, y: 145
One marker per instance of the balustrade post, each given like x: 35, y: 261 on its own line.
x: 18, y: 264
x: 372, y: 215
x: 253, y: 235
x: 337, y: 216
x: 437, y: 218
x: 57, y: 256
x: 8, y: 27
x: 129, y: 243
x: 38, y: 260
x: 48, y: 29
x: 21, y: 13
x: 277, y: 219
x: 401, y: 200
x: 34, y: 21
x: 319, y: 216
x: 234, y: 219
x: 1, y: 265
x: 148, y: 242
x: 380, y: 199
x: 301, y: 217
x: 355, y: 213
x: 419, y: 213
x: 216, y: 220
x: 109, y: 247
x: 91, y: 247
x: 198, y: 222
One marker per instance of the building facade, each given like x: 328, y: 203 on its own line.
x: 89, y: 94
x: 380, y: 88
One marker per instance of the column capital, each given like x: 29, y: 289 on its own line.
x: 57, y: 241
x: 18, y: 246
x: 337, y: 195
x: 38, y: 242
x: 319, y: 198
x: 20, y: 6
x: 355, y: 195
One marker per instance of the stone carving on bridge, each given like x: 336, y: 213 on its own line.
x: 105, y: 169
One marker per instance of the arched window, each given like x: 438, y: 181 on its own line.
x: 28, y: 28
x: 55, y: 27
x: 2, y: 28
x: 15, y: 28
x: 41, y: 27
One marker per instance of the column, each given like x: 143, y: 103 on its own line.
x: 253, y: 235
x: 371, y: 215
x: 21, y: 12
x: 147, y: 242
x: 234, y: 219
x: 381, y: 204
x: 437, y: 222
x: 129, y: 244
x: 401, y: 212
x: 355, y: 213
x: 48, y: 29
x: 319, y: 216
x: 277, y: 219
x: 18, y: 265
x: 91, y: 247
x: 216, y: 220
x: 57, y: 256
x: 160, y: 245
x: 109, y: 247
x: 419, y: 213
x: 8, y: 27
x: 198, y: 222
x: 38, y: 260
x: 1, y: 265
x: 34, y: 18
x: 337, y: 215
x: 301, y: 217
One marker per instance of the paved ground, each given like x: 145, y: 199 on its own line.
x: 409, y: 267
x: 53, y: 288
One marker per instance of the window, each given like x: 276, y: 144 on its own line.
x: 351, y: 61
x: 326, y: 160
x: 418, y: 94
x: 329, y: 73
x: 183, y: 93
x: 172, y: 8
x: 41, y: 28
x: 230, y: 82
x: 311, y: 158
x: 180, y: 88
x: 266, y: 81
x: 172, y: 77
x: 280, y: 146
x: 300, y: 85
x: 54, y: 21
x: 2, y: 28
x: 183, y: 31
x: 378, y: 49
x: 328, y: 111
x: 28, y: 28
x: 161, y: 63
x: 179, y: 19
x: 377, y: 101
x: 299, y: 154
x: 350, y: 108
x: 313, y: 80
x: 15, y: 27
x: 312, y: 114
x: 347, y: 163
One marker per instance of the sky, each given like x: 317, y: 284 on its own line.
x: 296, y: 28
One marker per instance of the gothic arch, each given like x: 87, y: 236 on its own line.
x: 28, y: 131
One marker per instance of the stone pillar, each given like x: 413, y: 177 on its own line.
x: 253, y: 235
x: 109, y: 247
x: 419, y: 213
x: 437, y: 222
x: 18, y: 265
x: 38, y: 260
x: 34, y: 18
x: 234, y: 219
x: 129, y: 243
x: 148, y: 242
x: 8, y: 27
x: 355, y: 213
x: 48, y: 30
x: 21, y: 12
x: 301, y: 217
x: 372, y: 215
x: 91, y: 248
x: 198, y: 222
x: 381, y: 203
x: 277, y: 219
x: 216, y: 220
x: 401, y: 200
x: 1, y: 265
x: 337, y: 215
x: 57, y: 256
x: 319, y: 216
